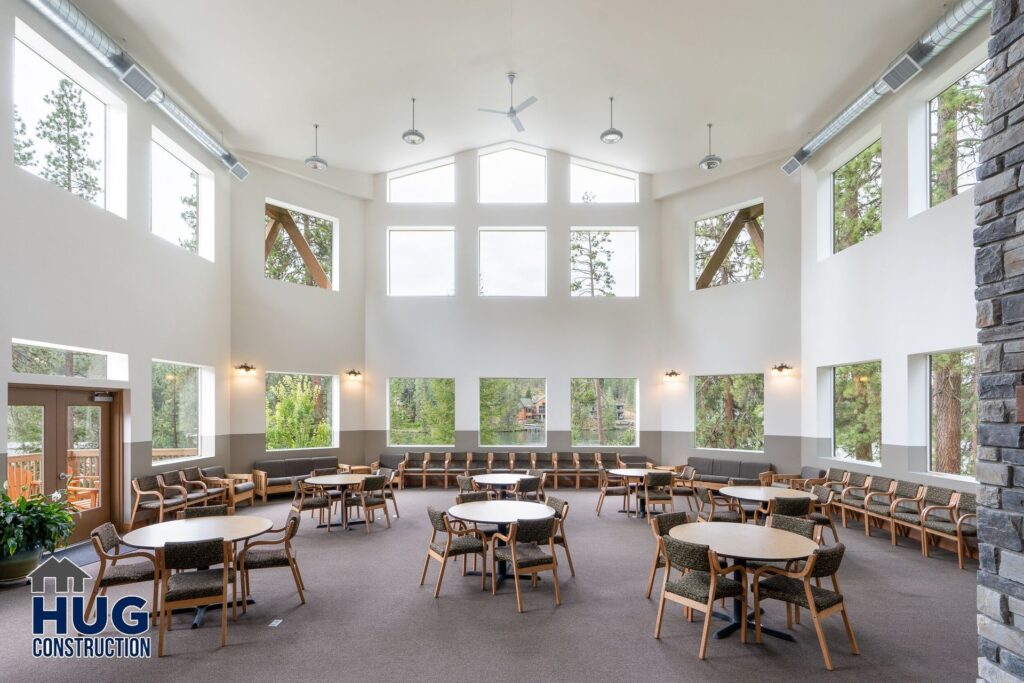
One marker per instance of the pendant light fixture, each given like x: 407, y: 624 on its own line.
x: 413, y: 136
x: 613, y: 134
x: 316, y: 162
x: 711, y: 161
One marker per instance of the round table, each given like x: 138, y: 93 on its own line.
x: 762, y: 494
x: 340, y: 482
x: 499, y: 481
x: 629, y: 473
x: 231, y: 528
x: 744, y: 542
x: 502, y: 513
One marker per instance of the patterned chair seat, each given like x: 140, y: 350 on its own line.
x: 129, y: 572
x: 725, y: 516
x: 259, y: 558
x: 167, y: 502
x: 196, y: 495
x: 370, y: 500
x: 243, y: 486
x: 682, y: 491
x: 947, y: 527
x: 527, y: 554
x: 854, y: 500
x: 881, y: 509
x: 199, y: 584
x: 792, y: 591
x: 314, y: 502
x: 655, y: 495
x: 697, y: 585
x: 908, y: 517
x: 819, y: 518
x: 461, y: 545
x: 616, y: 491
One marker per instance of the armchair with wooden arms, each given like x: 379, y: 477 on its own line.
x: 712, y: 507
x: 107, y: 544
x: 414, y: 465
x: 682, y: 484
x: 961, y: 524
x: 265, y: 553
x: 171, y: 484
x: 150, y: 496
x: 855, y: 496
x: 910, y: 514
x: 240, y: 487
x: 460, y: 540
x: 193, y: 480
x: 529, y: 547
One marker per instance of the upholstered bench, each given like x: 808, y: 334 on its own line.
x: 720, y: 471
x: 276, y: 476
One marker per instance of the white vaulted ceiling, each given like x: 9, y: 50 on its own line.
x: 766, y: 73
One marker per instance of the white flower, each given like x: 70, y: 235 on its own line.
x: 55, y: 496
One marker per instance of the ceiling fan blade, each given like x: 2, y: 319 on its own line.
x: 517, y: 123
x: 493, y: 111
x: 526, y: 103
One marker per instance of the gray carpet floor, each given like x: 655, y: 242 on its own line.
x: 367, y: 619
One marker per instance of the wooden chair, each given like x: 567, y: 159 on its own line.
x: 368, y: 497
x: 457, y: 465
x: 529, y: 488
x: 794, y: 588
x: 822, y: 506
x: 436, y: 465
x: 460, y: 541
x: 266, y: 553
x: 240, y: 487
x: 852, y: 499
x: 547, y: 464
x: 196, y: 588
x: 906, y: 514
x: 565, y: 466
x: 657, y: 491
x: 591, y: 469
x: 466, y: 484
x: 499, y: 463
x: 192, y: 479
x: 522, y: 550
x: 389, y: 486
x: 703, y: 582
x: 561, y: 508
x: 474, y: 496
x: 682, y: 485
x: 414, y: 465
x: 476, y: 463
x: 790, y: 507
x: 610, y: 486
x: 712, y: 507
x: 314, y: 499
x: 660, y: 526
x: 221, y: 510
x: 878, y: 507
x: 834, y: 478
x: 960, y: 526
x: 171, y: 484
x: 150, y: 496
x: 107, y: 544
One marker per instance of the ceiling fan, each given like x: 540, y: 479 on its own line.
x: 513, y: 112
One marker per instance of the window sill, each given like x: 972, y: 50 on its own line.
x: 852, y: 461
x: 728, y: 450
x: 176, y: 461
x: 300, y: 448
x: 946, y: 475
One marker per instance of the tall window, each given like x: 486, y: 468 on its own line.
x: 513, y: 262
x: 857, y: 411
x: 175, y: 199
x: 421, y: 261
x: 176, y: 411
x: 730, y: 412
x: 513, y: 412
x: 954, y: 412
x: 729, y: 247
x: 601, y: 184
x: 59, y: 124
x: 603, y: 412
x: 299, y: 246
x: 39, y: 359
x: 421, y: 411
x: 423, y: 184
x: 603, y: 262
x: 300, y: 411
x: 857, y: 198
x: 513, y: 176
x: 955, y: 122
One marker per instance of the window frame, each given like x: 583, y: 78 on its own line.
x: 479, y: 260
x: 928, y: 149
x: 832, y: 410
x: 636, y: 411
x: 635, y: 230
x: 421, y: 228
x: 494, y: 149
x: 929, y: 423
x: 848, y: 158
x: 387, y: 416
x: 334, y: 423
x: 205, y: 408
x: 695, y: 402
x: 423, y: 168
x: 335, y: 277
x: 205, y: 194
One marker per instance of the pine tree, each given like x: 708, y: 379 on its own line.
x: 67, y: 130
x: 190, y: 215
x: 857, y: 198
x: 24, y: 152
x: 589, y: 256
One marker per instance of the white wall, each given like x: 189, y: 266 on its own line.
x: 906, y: 291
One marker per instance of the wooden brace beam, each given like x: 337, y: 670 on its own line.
x: 316, y: 271
x: 742, y: 218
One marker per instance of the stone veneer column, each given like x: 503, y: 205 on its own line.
x: 999, y: 274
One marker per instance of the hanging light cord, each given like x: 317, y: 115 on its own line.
x: 611, y: 112
x: 414, y: 113
x: 709, y: 139
x: 316, y: 139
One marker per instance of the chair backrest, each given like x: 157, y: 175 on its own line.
x: 465, y: 483
x: 968, y: 504
x: 686, y: 555
x: 106, y: 535
x: 657, y: 478
x: 880, y: 484
x: 387, y: 473
x: 146, y: 482
x: 472, y: 497
x: 374, y: 484
x: 191, y: 474
x: 194, y: 554
x: 558, y: 505
x: 534, y: 530
x: 835, y: 474
x: 703, y: 495
x: 937, y: 495
x: 323, y: 471
x: 437, y: 519
x: 415, y: 459
x: 205, y: 511
x: 217, y: 472
x: 811, y: 472
x: 171, y: 478
x: 857, y: 479
x: 822, y: 493
x: 794, y: 525
x: 791, y: 507
x: 535, y: 473
x: 907, y: 489
x: 665, y: 522
x: 529, y: 485
x: 827, y: 560
x: 688, y: 473
x: 291, y: 524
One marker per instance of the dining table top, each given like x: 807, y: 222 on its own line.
x: 228, y: 527
x: 746, y: 541
x: 336, y: 479
x: 762, y: 494
x: 500, y: 511
x: 507, y: 479
x: 629, y: 472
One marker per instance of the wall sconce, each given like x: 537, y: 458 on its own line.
x: 246, y: 368
x: 354, y: 374
x: 781, y: 369
x: 671, y: 376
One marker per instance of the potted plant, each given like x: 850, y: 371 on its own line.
x: 29, y: 525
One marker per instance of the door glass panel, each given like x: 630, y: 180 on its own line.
x: 24, y: 450
x: 83, y: 463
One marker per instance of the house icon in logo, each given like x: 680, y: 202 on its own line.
x: 62, y: 571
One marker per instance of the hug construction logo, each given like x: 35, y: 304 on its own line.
x: 71, y: 636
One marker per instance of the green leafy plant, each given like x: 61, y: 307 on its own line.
x: 35, y: 521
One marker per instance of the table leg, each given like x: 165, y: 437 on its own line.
x: 737, y: 617
x: 503, y: 572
